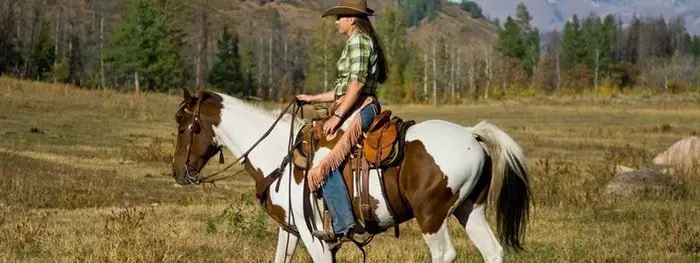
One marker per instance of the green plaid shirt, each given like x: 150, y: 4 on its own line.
x: 357, y: 62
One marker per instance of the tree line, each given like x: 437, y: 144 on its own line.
x: 593, y: 52
x: 156, y: 45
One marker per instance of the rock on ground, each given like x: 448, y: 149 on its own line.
x: 637, y: 183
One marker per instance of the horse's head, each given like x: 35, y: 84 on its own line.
x: 195, y: 118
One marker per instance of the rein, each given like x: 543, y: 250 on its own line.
x: 209, y: 178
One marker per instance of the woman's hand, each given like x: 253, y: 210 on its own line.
x: 331, y: 125
x: 314, y: 179
x: 306, y: 98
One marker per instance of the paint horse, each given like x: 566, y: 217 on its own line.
x: 447, y: 170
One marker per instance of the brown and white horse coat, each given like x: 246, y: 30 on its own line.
x: 447, y: 170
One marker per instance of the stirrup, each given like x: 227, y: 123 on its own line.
x: 358, y: 228
x: 358, y: 233
x: 359, y: 239
x: 355, y: 233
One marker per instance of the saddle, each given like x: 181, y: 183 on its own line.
x: 384, y: 141
x: 382, y: 146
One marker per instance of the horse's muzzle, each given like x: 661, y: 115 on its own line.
x: 184, y: 176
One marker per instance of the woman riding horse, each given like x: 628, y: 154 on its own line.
x: 360, y: 68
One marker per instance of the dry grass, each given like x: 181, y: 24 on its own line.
x: 84, y: 178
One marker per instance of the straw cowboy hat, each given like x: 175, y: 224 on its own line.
x: 349, y: 7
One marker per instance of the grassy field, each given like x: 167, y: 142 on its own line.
x: 84, y: 177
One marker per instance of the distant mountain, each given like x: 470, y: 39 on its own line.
x: 452, y: 23
x: 552, y: 14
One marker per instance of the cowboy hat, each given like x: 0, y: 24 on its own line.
x: 349, y: 7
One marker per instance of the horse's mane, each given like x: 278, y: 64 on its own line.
x: 221, y: 98
x: 273, y: 113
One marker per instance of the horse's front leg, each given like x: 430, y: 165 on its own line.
x: 286, y: 246
x: 319, y: 251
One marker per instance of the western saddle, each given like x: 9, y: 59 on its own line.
x: 382, y: 146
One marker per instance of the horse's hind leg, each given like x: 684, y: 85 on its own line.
x: 441, y: 248
x: 286, y: 246
x: 473, y: 218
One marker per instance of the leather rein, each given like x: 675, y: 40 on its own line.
x: 195, y: 126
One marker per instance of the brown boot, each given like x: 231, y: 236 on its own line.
x: 327, y: 234
x: 323, y: 235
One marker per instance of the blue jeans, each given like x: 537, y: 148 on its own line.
x: 334, y: 189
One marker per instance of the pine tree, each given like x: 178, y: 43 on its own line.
x: 609, y: 36
x: 529, y: 37
x: 595, y: 46
x: 168, y: 68
x: 10, y: 56
x: 510, y: 43
x: 572, y: 44
x: 431, y: 8
x: 226, y: 71
x: 43, y: 55
x: 413, y: 12
x: 392, y: 32
x: 412, y: 77
x: 248, y: 67
x: 147, y: 45
x: 631, y: 47
x: 519, y: 40
x: 473, y: 8
x: 695, y: 47
x: 417, y: 10
x: 523, y: 18
x: 532, y: 51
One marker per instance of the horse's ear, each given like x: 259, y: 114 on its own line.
x: 186, y: 96
x: 200, y: 90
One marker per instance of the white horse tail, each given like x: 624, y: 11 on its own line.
x: 509, y: 191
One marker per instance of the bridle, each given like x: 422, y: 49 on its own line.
x: 195, y: 127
